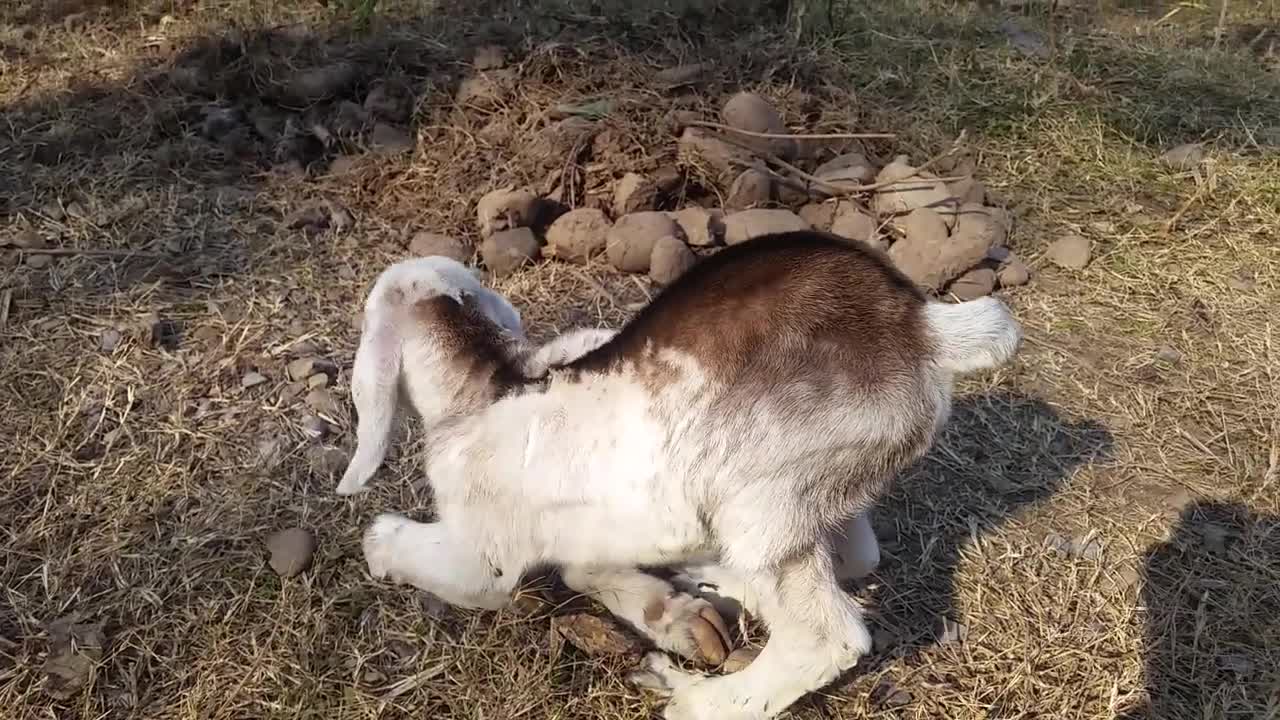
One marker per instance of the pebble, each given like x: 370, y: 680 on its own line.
x: 670, y: 259
x: 427, y: 244
x: 109, y: 340
x: 948, y: 631
x: 702, y: 227
x: 1013, y: 272
x: 1183, y: 157
x: 751, y: 112
x: 505, y: 209
x: 301, y: 369
x: 974, y: 284
x: 390, y: 139
x: 744, y: 225
x: 322, y: 401
x: 578, y: 235
x: 507, y: 250
x: 750, y: 189
x: 1168, y: 354
x: 252, y: 378
x: 319, y: 380
x: 39, y: 261
x: 292, y: 551
x: 326, y: 461
x: 1070, y: 251
x: 315, y: 427
x: 633, y: 193
x: 629, y: 244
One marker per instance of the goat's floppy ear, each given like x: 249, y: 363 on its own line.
x: 374, y: 382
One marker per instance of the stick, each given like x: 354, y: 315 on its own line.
x: 850, y: 189
x: 99, y: 252
x: 6, y: 299
x: 788, y: 136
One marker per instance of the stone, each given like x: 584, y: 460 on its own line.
x: 752, y: 188
x: 688, y: 74
x: 322, y: 402
x: 629, y: 243
x: 1013, y: 272
x: 318, y: 380
x: 506, y: 209
x: 505, y: 251
x: 291, y: 551
x: 594, y: 636
x: 489, y: 57
x: 1070, y: 251
x: 429, y: 244
x: 633, y: 193
x: 39, y: 260
x: 978, y: 282
x: 389, y: 139
x: 702, y: 227
x: 852, y: 223
x: 1167, y: 354
x: 948, y: 632
x: 751, y: 112
x: 252, y: 379
x: 578, y: 235
x: 702, y: 147
x: 109, y: 340
x: 320, y: 83
x: 391, y: 100
x: 820, y: 215
x: 488, y: 89
x: 912, y: 190
x: 670, y: 259
x: 1183, y: 157
x: 744, y: 225
x: 919, y: 254
x: 328, y: 462
x: 850, y: 169
x: 968, y: 190
x: 301, y: 368
x: 315, y: 427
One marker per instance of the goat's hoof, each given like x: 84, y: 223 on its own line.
x: 379, y: 544
x: 690, y: 627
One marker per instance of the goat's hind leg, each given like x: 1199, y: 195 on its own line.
x: 438, y: 558
x: 815, y: 633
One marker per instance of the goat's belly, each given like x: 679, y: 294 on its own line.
x: 601, y: 535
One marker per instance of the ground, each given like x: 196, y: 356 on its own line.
x: 1100, y: 521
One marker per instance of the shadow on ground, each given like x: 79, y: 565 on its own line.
x: 1211, y: 607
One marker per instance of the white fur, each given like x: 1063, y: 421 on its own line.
x: 603, y: 471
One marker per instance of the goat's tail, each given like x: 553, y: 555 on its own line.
x: 375, y: 377
x: 974, y: 335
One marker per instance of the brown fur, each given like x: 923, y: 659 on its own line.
x: 482, y: 360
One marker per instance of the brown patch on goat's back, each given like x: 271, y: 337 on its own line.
x: 755, y: 308
x: 479, y: 355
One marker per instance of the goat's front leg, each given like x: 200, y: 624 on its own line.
x: 440, y: 559
x: 815, y: 633
x: 672, y: 620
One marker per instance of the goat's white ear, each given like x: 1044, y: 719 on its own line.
x: 374, y: 379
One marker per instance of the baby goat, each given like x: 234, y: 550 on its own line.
x: 764, y: 398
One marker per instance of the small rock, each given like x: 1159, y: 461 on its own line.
x: 319, y: 380
x: 507, y: 250
x: 77, y: 211
x: 252, y: 378
x: 322, y: 401
x: 914, y: 190
x: 315, y: 84
x: 883, y: 640
x: 1214, y: 537
x: 428, y: 244
x: 633, y: 193
x: 702, y: 227
x: 1168, y: 355
x: 489, y: 57
x: 315, y: 427
x: 674, y: 77
x: 629, y: 244
x: 739, y: 659
x: 700, y: 146
x: 310, y: 219
x: 39, y: 261
x: 889, y: 695
x: 820, y: 215
x: 751, y: 112
x: 974, y: 284
x: 1070, y: 251
x: 578, y: 235
x: 1013, y: 272
x: 390, y: 100
x: 948, y: 631
x: 670, y: 259
x: 1183, y: 157
x: 968, y: 190
x: 291, y: 551
x: 744, y: 225
x: 851, y: 169
x: 920, y: 253
x: 750, y: 189
x: 326, y: 461
x: 487, y: 90
x: 852, y: 223
x: 1236, y: 663
x: 340, y: 218
x: 373, y: 676
x: 506, y: 209
x: 594, y: 636
x: 390, y: 140
x: 109, y: 340
x: 53, y: 211
x: 26, y: 239
x: 301, y: 369
x: 1077, y: 547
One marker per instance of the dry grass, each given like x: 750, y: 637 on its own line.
x: 138, y: 484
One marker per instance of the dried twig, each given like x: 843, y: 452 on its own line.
x: 89, y: 252
x: 6, y: 299
x: 789, y: 136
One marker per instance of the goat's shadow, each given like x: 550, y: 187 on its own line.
x: 1000, y: 452
x: 1210, y: 604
